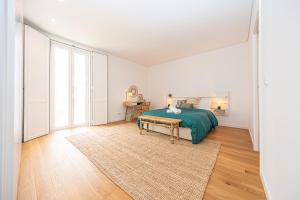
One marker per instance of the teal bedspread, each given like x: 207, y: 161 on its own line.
x: 200, y: 121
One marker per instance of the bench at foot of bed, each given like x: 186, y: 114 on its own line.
x: 160, y: 121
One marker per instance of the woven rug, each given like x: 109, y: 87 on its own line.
x: 149, y: 167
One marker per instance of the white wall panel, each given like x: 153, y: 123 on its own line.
x: 36, y: 84
x: 99, y: 89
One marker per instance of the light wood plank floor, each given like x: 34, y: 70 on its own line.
x: 52, y: 168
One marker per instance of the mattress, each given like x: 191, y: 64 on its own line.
x: 184, y: 133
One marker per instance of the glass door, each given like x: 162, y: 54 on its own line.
x: 60, y: 82
x: 70, y: 86
x: 81, y: 63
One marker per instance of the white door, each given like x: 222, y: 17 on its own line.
x: 70, y: 72
x: 99, y: 89
x: 36, y: 84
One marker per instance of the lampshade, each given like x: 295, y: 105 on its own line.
x: 169, y: 101
x: 219, y: 104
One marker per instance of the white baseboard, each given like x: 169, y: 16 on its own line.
x: 116, y: 119
x: 233, y: 125
x: 266, y: 189
x: 241, y: 127
x: 252, y: 139
x: 34, y: 136
x: 251, y: 135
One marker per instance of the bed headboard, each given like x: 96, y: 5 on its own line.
x: 204, y: 100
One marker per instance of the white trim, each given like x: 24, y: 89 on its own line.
x: 255, y: 93
x: 3, y: 68
x: 234, y: 126
x: 253, y: 19
x: 251, y: 136
x: 67, y: 42
x: 90, y: 89
x: 33, y: 137
x: 264, y: 183
x: 71, y: 50
x: 252, y: 140
x: 7, y: 46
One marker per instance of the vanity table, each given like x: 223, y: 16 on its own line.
x: 135, y: 109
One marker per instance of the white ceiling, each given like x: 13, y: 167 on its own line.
x: 145, y: 31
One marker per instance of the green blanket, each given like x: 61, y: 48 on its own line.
x: 200, y: 121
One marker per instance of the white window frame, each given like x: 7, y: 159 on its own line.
x: 71, y: 51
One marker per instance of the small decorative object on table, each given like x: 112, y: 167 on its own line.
x: 140, y: 99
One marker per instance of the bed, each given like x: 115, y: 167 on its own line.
x: 196, y: 123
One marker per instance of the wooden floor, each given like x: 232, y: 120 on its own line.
x: 51, y: 168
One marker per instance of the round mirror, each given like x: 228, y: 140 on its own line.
x: 133, y: 91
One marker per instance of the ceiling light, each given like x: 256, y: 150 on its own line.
x: 53, y: 19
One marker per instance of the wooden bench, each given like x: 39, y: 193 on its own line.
x: 160, y: 121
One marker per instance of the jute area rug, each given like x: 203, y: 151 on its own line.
x: 149, y: 167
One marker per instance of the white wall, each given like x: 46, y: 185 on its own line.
x: 222, y: 70
x: 10, y: 97
x: 280, y: 65
x: 122, y: 74
x: 18, y: 108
